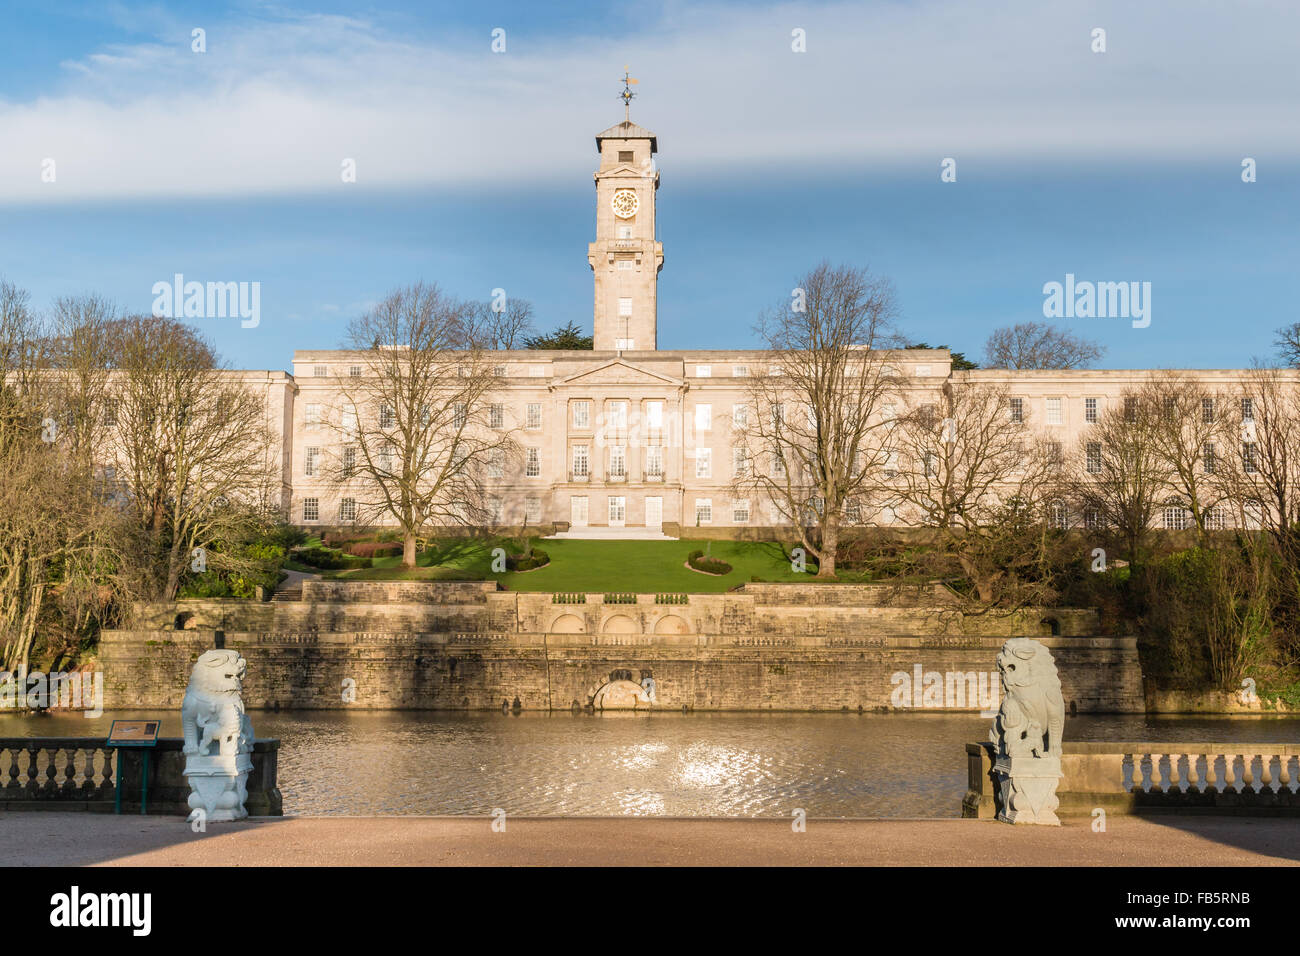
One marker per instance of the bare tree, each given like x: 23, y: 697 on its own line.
x: 418, y: 442
x: 190, y: 446
x: 814, y: 441
x: 971, y: 469
x: 1287, y: 343
x: 1194, y: 432
x: 503, y: 324
x: 1037, y: 345
x: 1268, y: 492
x: 1119, y: 474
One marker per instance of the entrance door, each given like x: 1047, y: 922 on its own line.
x: 578, y: 512
x: 617, y: 511
x: 654, y: 512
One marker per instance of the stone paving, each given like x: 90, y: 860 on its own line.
x: 52, y: 839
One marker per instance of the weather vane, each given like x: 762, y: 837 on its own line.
x: 627, y: 94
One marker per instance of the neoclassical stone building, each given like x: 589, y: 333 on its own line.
x: 631, y: 436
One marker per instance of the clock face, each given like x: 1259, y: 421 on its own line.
x: 625, y: 203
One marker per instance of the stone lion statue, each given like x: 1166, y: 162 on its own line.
x: 1031, y: 718
x: 213, y: 710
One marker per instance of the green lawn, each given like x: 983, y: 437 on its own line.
x: 594, y: 566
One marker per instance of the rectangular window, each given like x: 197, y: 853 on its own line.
x: 1093, y: 458
x: 533, y: 463
x: 386, y: 416
x: 386, y: 459
x: 929, y: 461
x: 320, y: 371
x: 1091, y: 518
x: 624, y: 345
x: 625, y: 155
x: 704, y: 371
x: 499, y: 371
x: 703, y: 418
x: 582, y: 414
x: 461, y: 415
x: 311, y: 509
x: 739, y: 462
x: 1207, y: 410
x: 739, y: 416
x: 1130, y: 409
x: 1216, y: 517
x: 654, y: 461
x: 496, y: 509
x: 740, y: 371
x: 704, y: 463
x: 891, y: 463
x: 703, y: 510
x: 853, y: 511
x: 654, y: 416
x: 778, y: 464
x: 1208, y: 458
x: 1054, y: 411
x: 311, y: 415
x: 354, y: 371
x: 740, y: 512
x: 1017, y: 410
x: 110, y: 412
x: 625, y: 264
x: 311, y: 464
x: 1249, y: 462
x: 617, y: 509
x: 617, y: 461
x: 347, y: 510
x: 350, y: 421
x: 1090, y: 411
x: 1176, y: 517
x: 533, y: 510
x: 497, y: 416
x: 534, y: 419
x: 496, y: 463
x: 581, y: 461
x: 1058, y: 516
x: 616, y: 418
x: 349, y: 460
x: 1055, y: 454
x: 1247, y: 409
x: 625, y: 307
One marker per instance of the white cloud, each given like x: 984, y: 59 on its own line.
x: 276, y: 106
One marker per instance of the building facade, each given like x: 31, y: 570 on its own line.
x: 631, y: 436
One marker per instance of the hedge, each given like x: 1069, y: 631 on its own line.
x: 699, y: 562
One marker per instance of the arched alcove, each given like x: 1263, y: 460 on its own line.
x: 567, y: 624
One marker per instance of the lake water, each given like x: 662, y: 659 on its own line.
x: 831, y: 765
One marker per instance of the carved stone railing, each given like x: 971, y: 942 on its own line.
x: 1240, y: 778
x: 79, y: 773
x: 65, y: 770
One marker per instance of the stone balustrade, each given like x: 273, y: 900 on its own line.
x: 79, y: 773
x: 1246, y: 778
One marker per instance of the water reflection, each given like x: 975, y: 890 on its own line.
x: 831, y: 765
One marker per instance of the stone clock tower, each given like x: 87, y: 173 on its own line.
x: 625, y: 257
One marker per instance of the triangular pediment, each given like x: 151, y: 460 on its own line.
x: 619, y: 372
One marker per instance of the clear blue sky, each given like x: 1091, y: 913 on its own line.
x: 474, y: 168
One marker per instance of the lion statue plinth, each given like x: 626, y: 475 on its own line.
x: 1027, y: 734
x: 218, y: 737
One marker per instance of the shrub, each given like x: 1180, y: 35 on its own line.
x: 328, y: 560
x: 519, y: 562
x: 699, y: 562
x: 373, y: 549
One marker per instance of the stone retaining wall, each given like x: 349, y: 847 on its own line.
x: 795, y: 648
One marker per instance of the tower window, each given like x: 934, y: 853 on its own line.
x: 625, y: 155
x: 625, y: 306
